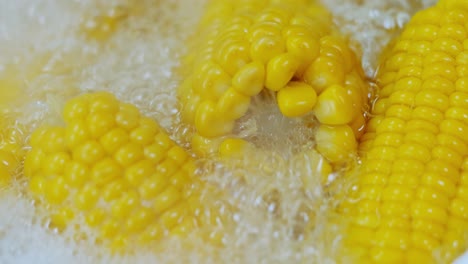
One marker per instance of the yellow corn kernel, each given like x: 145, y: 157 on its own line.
x: 61, y: 218
x: 113, y: 139
x: 56, y: 163
x: 394, y: 125
x: 56, y: 190
x: 232, y: 54
x: 392, y: 238
x: 413, y: 169
x: 74, y: 109
x: 153, y: 186
x: 458, y: 99
x: 334, y: 107
x: 429, y: 227
x: 296, y: 99
x: 139, y: 220
x: 324, y: 72
x: 114, y: 189
x: 99, y: 123
x: 163, y: 140
x: 429, y: 114
x: 53, y: 140
x: 336, y: 143
x: 440, y: 84
x: 137, y: 172
x: 143, y: 135
x: 113, y: 168
x: 209, y: 123
x: 232, y: 105
x: 387, y: 255
x: 104, y: 171
x: 76, y: 133
x: 128, y: 116
x: 180, y: 179
x: 178, y: 155
x: 153, y: 232
x: 203, y: 146
x: 173, y: 216
x: 89, y: 152
x: 454, y: 128
x: 168, y: 167
x: 400, y: 111
x: 303, y: 46
x: 76, y: 173
x: 154, y: 152
x: 249, y: 79
x: 103, y: 102
x: 87, y: 197
x: 125, y: 205
x: 128, y: 154
x: 280, y: 70
x: 432, y: 99
x: 37, y: 185
x: 211, y: 81
x: 109, y: 229
x: 166, y: 199
x: 336, y: 47
x: 264, y: 48
x: 233, y: 147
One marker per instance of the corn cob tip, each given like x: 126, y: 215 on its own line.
x: 290, y: 49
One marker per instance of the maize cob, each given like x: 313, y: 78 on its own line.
x: 117, y: 171
x: 288, y: 48
x: 411, y: 191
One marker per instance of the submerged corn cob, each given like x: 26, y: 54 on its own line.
x: 289, y: 48
x: 412, y: 202
x: 117, y: 171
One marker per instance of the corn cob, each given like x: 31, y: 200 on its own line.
x: 117, y: 171
x: 411, y: 191
x: 288, y: 48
